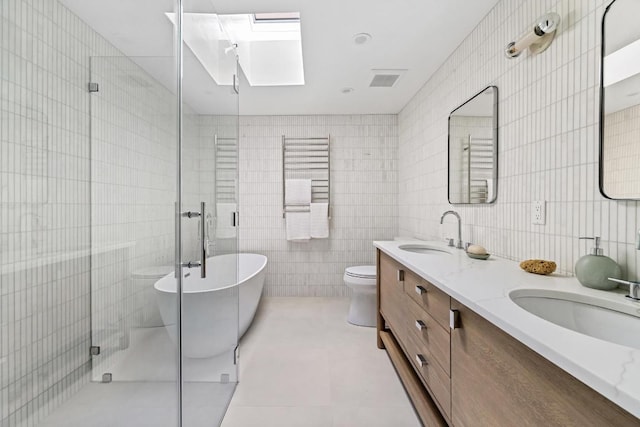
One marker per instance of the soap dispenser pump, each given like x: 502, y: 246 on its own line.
x: 593, y: 270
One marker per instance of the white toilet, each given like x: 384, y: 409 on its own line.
x: 362, y: 281
x: 146, y: 305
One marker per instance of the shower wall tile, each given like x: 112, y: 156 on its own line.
x: 548, y: 142
x: 363, y: 198
x: 44, y: 209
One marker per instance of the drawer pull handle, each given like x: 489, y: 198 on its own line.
x: 400, y: 275
x: 454, y: 319
x: 420, y: 325
x: 421, y: 360
x: 420, y: 290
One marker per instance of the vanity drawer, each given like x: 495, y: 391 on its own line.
x: 391, y: 271
x: 432, y: 374
x: 430, y: 333
x: 430, y: 298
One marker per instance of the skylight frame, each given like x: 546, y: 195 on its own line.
x: 276, y: 17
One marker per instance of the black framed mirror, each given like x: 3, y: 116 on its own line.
x: 473, y: 150
x: 620, y: 101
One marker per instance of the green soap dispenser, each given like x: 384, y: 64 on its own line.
x: 593, y: 270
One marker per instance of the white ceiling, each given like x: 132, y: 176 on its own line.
x: 417, y: 35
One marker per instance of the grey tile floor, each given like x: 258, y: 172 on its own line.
x: 301, y: 365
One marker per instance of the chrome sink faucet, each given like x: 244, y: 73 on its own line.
x: 634, y: 288
x: 454, y: 213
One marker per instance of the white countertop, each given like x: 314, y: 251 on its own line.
x: 483, y: 286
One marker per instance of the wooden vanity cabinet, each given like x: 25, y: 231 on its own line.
x: 498, y: 381
x: 461, y: 370
x: 415, y: 311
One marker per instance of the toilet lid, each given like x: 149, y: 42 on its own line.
x: 361, y: 271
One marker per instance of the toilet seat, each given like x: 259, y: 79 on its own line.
x: 361, y: 271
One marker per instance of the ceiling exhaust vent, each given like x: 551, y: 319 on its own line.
x: 385, y: 78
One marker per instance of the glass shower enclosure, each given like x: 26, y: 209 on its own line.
x: 118, y: 214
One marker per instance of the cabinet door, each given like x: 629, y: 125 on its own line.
x: 498, y: 381
x: 392, y: 304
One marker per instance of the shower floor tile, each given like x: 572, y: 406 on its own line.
x: 138, y: 404
x: 302, y: 364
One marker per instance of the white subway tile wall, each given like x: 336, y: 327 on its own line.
x: 44, y: 207
x: 548, y: 142
x: 363, y: 198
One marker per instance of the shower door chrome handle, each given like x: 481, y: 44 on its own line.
x: 203, y: 242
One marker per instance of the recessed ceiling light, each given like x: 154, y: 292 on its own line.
x: 361, y: 38
x: 346, y: 90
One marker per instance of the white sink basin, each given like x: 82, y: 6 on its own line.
x: 423, y: 249
x: 607, y: 320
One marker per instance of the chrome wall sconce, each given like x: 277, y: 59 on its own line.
x: 538, y: 39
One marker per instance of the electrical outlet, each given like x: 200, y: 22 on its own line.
x: 538, y: 212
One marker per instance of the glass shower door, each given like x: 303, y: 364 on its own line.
x: 134, y: 143
x: 210, y: 305
x: 134, y: 311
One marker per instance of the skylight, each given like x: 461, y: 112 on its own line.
x: 622, y: 64
x: 269, y: 46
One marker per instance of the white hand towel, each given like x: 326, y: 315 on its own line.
x: 319, y: 213
x: 297, y: 192
x: 224, y: 226
x: 298, y: 226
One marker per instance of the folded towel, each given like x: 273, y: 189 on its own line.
x: 224, y: 225
x: 298, y: 226
x: 297, y: 192
x: 319, y: 213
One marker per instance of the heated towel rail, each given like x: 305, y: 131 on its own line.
x: 308, y: 158
x: 226, y: 152
x: 480, y: 166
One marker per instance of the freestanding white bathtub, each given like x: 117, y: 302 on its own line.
x: 217, y: 310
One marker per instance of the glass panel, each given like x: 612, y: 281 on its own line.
x: 87, y: 213
x: 134, y: 170
x: 210, y: 167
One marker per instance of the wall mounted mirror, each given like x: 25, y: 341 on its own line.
x: 620, y: 101
x: 473, y: 149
